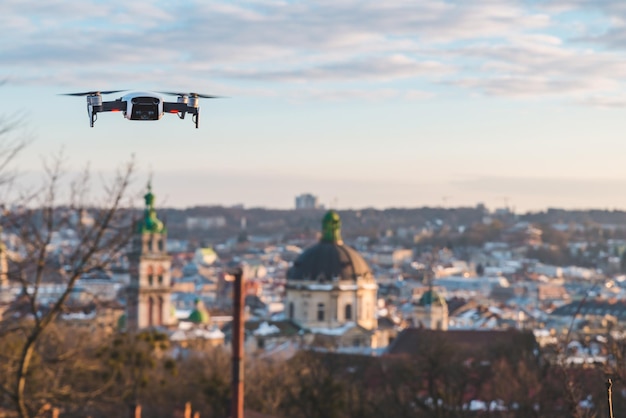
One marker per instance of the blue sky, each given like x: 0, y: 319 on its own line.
x: 363, y: 103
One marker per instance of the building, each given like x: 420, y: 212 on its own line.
x: 472, y: 345
x: 205, y: 223
x: 431, y: 312
x: 331, y: 291
x: 149, y: 292
x: 307, y: 201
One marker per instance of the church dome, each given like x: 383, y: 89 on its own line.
x: 330, y: 258
x: 199, y: 315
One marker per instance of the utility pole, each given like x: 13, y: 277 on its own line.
x: 236, y: 407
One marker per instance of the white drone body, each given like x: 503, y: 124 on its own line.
x: 143, y: 105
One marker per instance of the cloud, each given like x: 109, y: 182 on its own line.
x: 504, y: 48
x: 537, y: 66
x: 374, y: 68
x: 607, y: 101
x: 370, y: 95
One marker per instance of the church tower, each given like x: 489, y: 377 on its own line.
x: 149, y: 292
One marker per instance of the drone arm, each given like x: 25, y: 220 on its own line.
x: 114, y: 106
x: 172, y: 107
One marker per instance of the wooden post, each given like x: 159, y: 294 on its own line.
x: 609, y: 389
x: 236, y: 408
x: 135, y: 411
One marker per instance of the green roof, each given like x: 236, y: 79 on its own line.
x: 150, y: 223
x: 431, y: 298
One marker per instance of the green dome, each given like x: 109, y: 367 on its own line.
x: 200, y: 314
x: 432, y: 298
x: 150, y: 222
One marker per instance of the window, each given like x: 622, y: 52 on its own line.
x: 320, y: 311
x: 150, y: 274
x: 160, y: 278
x: 160, y: 312
x: 290, y: 310
x: 348, y: 312
x: 150, y: 311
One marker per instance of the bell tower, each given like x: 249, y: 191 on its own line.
x: 149, y: 292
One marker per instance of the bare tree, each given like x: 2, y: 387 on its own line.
x: 35, y: 260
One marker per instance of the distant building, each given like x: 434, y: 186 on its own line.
x: 307, y: 201
x: 431, y: 312
x: 205, y: 256
x: 205, y: 223
x: 477, y: 345
x: 393, y: 257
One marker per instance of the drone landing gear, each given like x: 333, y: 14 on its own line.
x: 195, y: 117
x: 181, y: 109
x: 93, y: 115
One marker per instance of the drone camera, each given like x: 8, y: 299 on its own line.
x: 145, y: 108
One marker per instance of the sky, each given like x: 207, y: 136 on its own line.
x: 380, y: 104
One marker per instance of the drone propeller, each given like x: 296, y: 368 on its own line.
x: 91, y: 93
x: 202, y: 96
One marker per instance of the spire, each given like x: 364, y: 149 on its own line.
x: 149, y: 197
x: 331, y: 227
x: 150, y: 223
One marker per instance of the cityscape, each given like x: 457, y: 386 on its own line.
x: 373, y: 286
x: 312, y: 209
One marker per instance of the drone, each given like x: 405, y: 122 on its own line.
x: 141, y: 105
